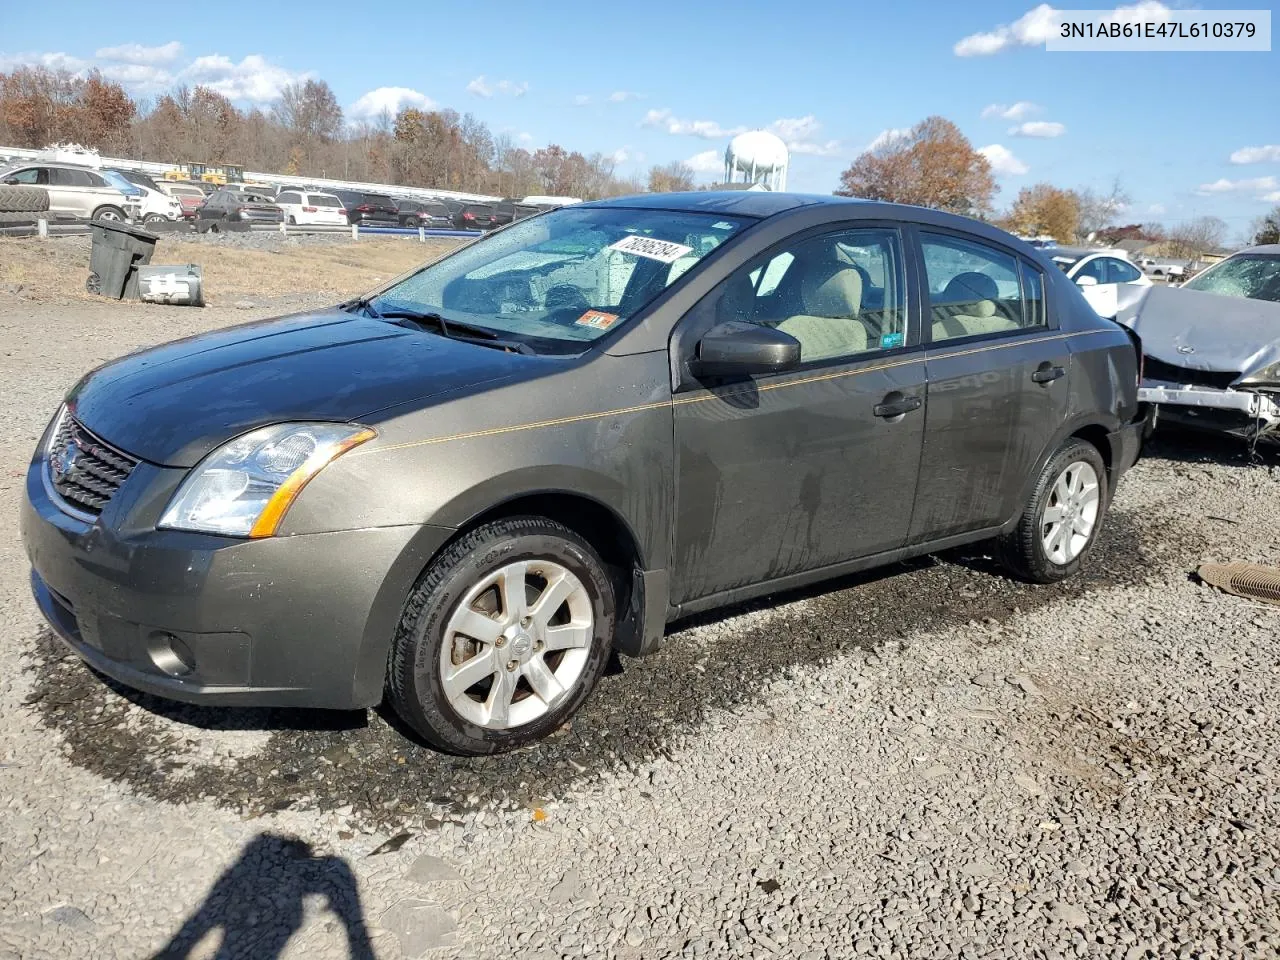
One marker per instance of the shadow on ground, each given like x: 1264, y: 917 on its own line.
x: 712, y: 662
x: 256, y: 906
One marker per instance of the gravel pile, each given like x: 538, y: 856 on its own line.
x: 928, y: 761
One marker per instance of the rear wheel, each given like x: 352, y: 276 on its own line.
x: 110, y: 214
x: 1062, y: 519
x: 293, y: 220
x: 154, y: 218
x: 503, y: 637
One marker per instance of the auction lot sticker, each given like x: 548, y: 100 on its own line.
x: 664, y: 251
x: 597, y: 319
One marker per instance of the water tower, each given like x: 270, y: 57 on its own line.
x: 756, y: 157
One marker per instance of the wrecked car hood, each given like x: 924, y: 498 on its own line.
x: 174, y: 403
x: 1206, y: 331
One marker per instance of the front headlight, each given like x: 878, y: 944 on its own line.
x: 244, y: 487
x: 1268, y: 376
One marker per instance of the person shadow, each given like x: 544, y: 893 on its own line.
x: 257, y: 903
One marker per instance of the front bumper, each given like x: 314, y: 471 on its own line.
x: 301, y: 621
x: 1232, y: 411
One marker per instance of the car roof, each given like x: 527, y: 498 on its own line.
x: 747, y: 203
x: 1265, y: 249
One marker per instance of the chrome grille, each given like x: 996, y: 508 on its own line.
x: 84, y: 471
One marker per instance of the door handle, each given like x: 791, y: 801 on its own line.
x: 1048, y: 374
x: 889, y: 409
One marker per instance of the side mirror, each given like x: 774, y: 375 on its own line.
x: 1086, y: 281
x: 739, y: 348
x: 13, y: 182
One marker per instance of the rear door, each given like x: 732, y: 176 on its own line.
x: 61, y: 201
x: 998, y: 383
x: 780, y: 474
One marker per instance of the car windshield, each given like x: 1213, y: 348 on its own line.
x: 559, y: 281
x: 1065, y: 263
x: 1254, y: 276
x: 120, y: 183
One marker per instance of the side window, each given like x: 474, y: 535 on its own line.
x: 1095, y: 268
x: 839, y: 294
x: 32, y: 176
x: 974, y: 289
x: 1118, y: 271
x: 95, y: 180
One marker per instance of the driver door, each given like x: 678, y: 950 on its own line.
x: 785, y: 473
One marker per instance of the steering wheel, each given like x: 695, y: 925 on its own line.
x: 565, y: 296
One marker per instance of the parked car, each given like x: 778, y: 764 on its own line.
x: 73, y: 191
x: 432, y: 214
x: 506, y: 211
x: 475, y: 216
x: 225, y: 205
x: 470, y: 487
x: 1212, y: 347
x: 311, y: 209
x: 1106, y: 278
x: 189, y: 196
x: 373, y: 209
x: 1165, y: 269
x: 152, y: 205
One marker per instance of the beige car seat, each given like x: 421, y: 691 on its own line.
x: 968, y: 307
x: 831, y: 295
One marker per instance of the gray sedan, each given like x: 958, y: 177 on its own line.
x: 467, y: 489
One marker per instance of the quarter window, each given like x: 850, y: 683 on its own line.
x: 289, y: 198
x: 974, y: 289
x: 839, y: 294
x: 1120, y: 272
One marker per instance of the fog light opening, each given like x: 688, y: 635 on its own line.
x: 171, y: 655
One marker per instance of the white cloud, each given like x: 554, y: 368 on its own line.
x: 1003, y: 162
x: 1043, y: 129
x: 139, y: 78
x: 1259, y: 185
x: 1035, y: 26
x: 621, y: 155
x: 706, y: 129
x: 1156, y: 209
x: 800, y: 135
x: 483, y: 87
x: 1016, y: 111
x: 524, y: 137
x: 708, y: 161
x: 50, y: 61
x: 137, y: 53
x: 581, y: 100
x: 622, y: 96
x: 390, y: 100
x: 252, y: 79
x: 1268, y: 154
x: 1273, y: 197
x: 885, y: 137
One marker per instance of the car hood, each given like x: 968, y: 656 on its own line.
x: 1207, y: 331
x: 175, y: 403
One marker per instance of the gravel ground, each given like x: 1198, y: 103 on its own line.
x: 927, y: 761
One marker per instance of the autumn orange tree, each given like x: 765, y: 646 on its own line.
x: 931, y: 165
x: 1044, y: 209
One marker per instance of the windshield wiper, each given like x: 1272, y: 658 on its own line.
x: 453, y: 330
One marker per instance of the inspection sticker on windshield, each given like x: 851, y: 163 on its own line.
x: 663, y: 251
x: 597, y: 319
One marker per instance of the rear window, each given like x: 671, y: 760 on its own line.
x: 436, y: 209
x: 479, y: 209
x: 320, y: 200
x: 377, y: 199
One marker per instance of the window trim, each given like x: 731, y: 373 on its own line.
x: 690, y: 328
x: 920, y: 232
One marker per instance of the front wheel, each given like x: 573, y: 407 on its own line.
x: 1062, y: 519
x: 503, y: 637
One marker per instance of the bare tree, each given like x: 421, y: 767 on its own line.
x: 670, y: 178
x: 310, y: 110
x: 1098, y: 210
x: 1192, y: 238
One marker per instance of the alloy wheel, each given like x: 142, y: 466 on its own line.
x: 1070, y: 513
x: 516, y: 644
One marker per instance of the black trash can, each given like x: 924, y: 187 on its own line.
x: 118, y: 250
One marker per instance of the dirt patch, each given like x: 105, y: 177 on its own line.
x: 54, y: 270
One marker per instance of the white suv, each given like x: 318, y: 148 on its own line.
x: 306, y: 209
x: 73, y: 191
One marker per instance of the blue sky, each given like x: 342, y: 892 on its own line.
x: 653, y: 84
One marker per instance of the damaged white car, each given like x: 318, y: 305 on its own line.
x: 1212, y: 347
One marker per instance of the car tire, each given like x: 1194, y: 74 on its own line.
x: 23, y: 199
x: 1062, y: 519
x: 154, y: 218
x: 109, y: 214
x: 503, y: 708
x: 293, y: 222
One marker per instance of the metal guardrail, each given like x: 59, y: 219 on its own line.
x: 72, y: 228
